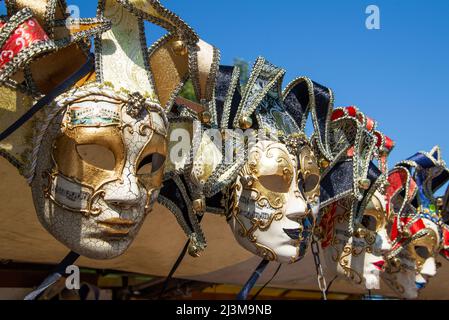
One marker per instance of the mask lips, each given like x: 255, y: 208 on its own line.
x: 293, y: 233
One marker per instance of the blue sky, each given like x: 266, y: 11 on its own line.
x: 397, y: 75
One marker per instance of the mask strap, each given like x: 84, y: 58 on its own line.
x: 57, y: 273
x: 243, y: 294
x: 60, y: 89
x: 267, y: 283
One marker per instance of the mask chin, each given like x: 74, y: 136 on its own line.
x: 372, y: 280
x: 420, y: 281
x: 401, y: 277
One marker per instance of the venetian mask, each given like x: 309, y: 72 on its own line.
x: 360, y: 256
x: 415, y: 227
x: 411, y: 261
x: 275, y: 202
x: 99, y: 171
x: 93, y: 148
x: 353, y: 218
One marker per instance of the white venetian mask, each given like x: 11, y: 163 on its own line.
x: 358, y: 258
x: 99, y: 170
x: 411, y: 262
x: 270, y: 215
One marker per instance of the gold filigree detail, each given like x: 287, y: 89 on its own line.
x: 89, y: 211
x: 395, y: 284
x: 265, y: 252
x: 344, y: 264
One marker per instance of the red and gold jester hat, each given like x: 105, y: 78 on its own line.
x: 352, y: 215
x: 416, y: 229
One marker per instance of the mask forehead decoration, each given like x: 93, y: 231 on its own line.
x: 415, y: 222
x: 352, y: 218
x: 94, y: 147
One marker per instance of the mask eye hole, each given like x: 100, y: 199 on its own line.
x: 422, y: 252
x: 151, y: 163
x: 97, y: 155
x: 310, y: 183
x: 369, y: 222
x: 276, y: 183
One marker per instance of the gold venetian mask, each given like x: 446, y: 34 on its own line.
x: 105, y: 167
x: 424, y: 247
x: 374, y: 221
x: 275, y: 201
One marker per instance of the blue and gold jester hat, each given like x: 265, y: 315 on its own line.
x: 262, y: 105
x: 430, y: 173
x: 352, y: 152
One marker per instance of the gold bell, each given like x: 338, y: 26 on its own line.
x: 324, y: 163
x: 199, y: 205
x: 360, y: 233
x: 364, y: 184
x: 193, y: 250
x: 395, y: 262
x: 406, y: 234
x: 206, y: 117
x: 318, y: 232
x: 440, y: 202
x: 246, y: 122
x: 384, y: 152
x: 180, y: 48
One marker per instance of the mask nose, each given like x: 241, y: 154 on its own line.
x: 295, y: 207
x: 124, y: 193
x: 429, y: 267
x: 383, y: 242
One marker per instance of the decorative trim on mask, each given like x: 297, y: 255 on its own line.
x: 303, y: 96
x: 72, y: 96
x: 204, y: 62
x: 161, y: 63
x: 399, y: 180
x: 161, y: 17
x: 197, y: 238
x: 64, y: 32
x: 173, y: 208
x: 344, y: 262
x: 225, y: 174
x: 228, y: 82
x: 22, y: 39
x: 257, y: 224
x: 89, y: 195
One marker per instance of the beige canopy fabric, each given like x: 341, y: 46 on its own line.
x: 158, y: 245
